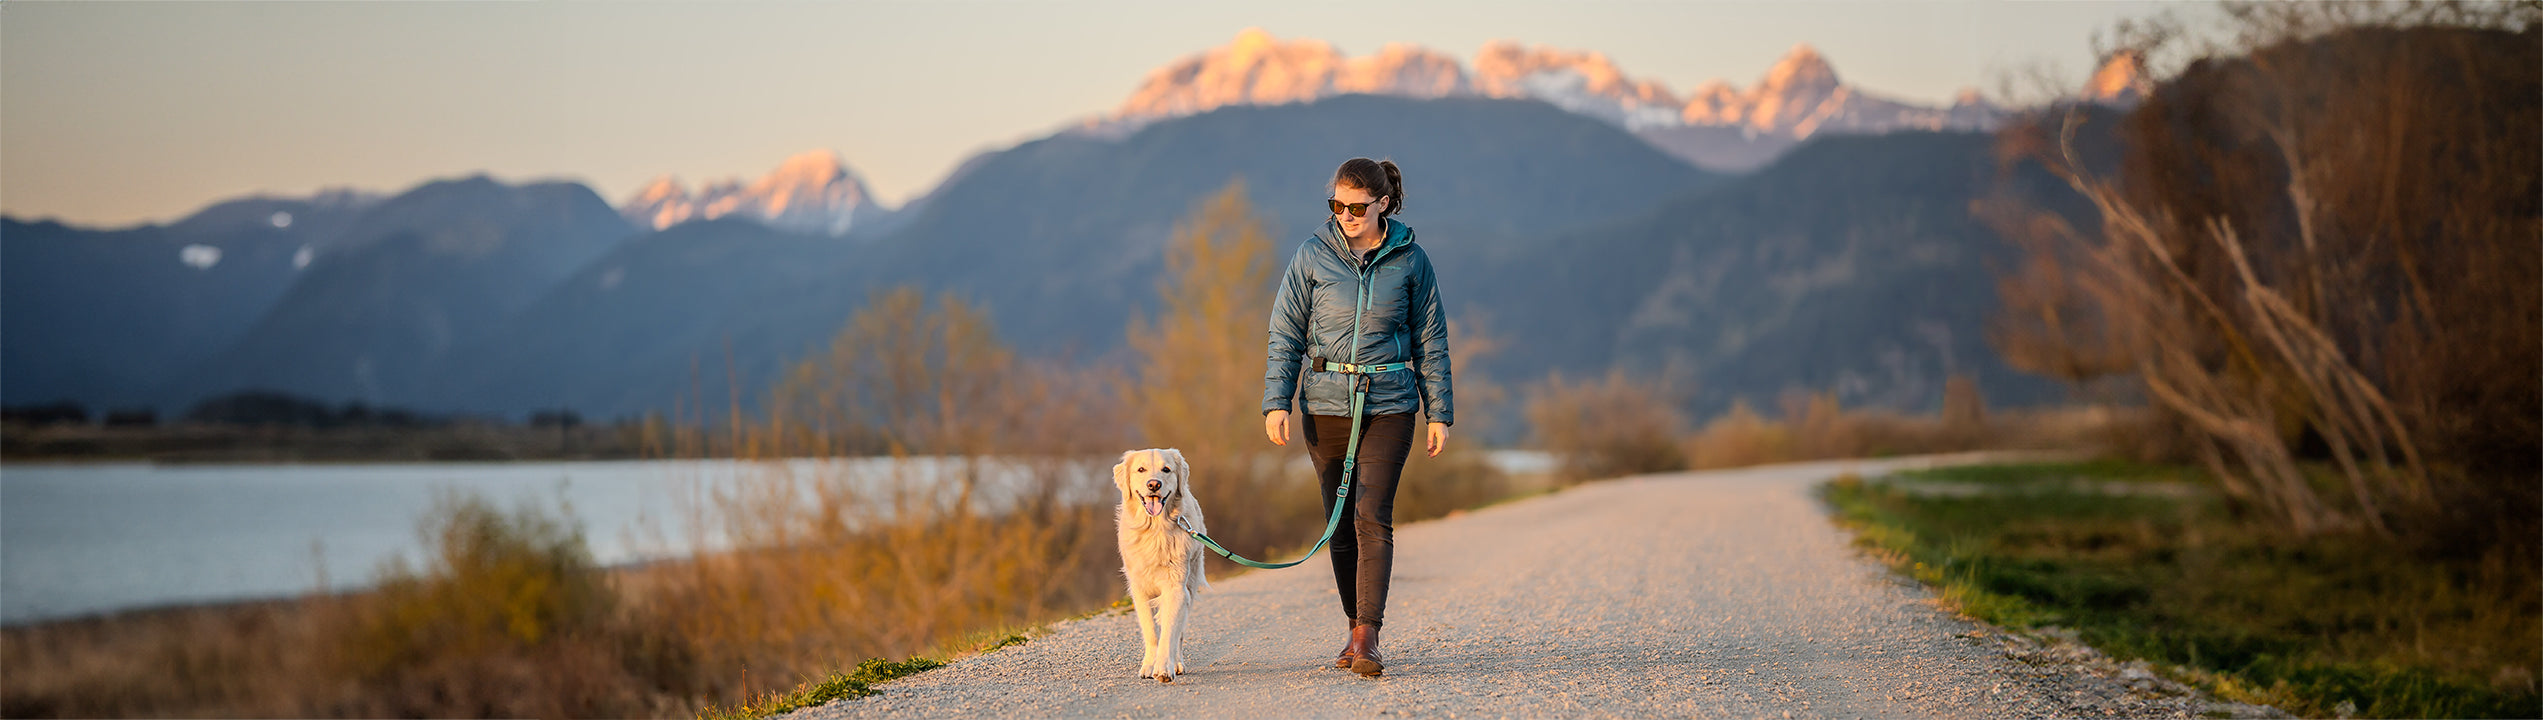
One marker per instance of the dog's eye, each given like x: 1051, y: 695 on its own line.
x: 1168, y: 471
x: 1140, y: 470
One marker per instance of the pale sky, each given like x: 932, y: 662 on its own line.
x: 115, y: 113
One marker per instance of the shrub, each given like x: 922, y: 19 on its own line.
x: 1607, y: 428
x: 508, y: 617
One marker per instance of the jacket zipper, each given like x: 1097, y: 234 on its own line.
x: 1368, y: 272
x: 1360, y: 310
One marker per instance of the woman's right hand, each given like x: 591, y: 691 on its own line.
x: 1276, y: 427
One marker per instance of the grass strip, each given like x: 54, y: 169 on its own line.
x: 2148, y: 562
x: 860, y: 682
x: 839, y: 686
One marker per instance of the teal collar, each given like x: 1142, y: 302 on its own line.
x: 1397, y: 235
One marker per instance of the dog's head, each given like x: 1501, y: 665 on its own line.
x: 1154, y: 483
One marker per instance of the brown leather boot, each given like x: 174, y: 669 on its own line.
x: 1343, y: 660
x: 1365, y: 659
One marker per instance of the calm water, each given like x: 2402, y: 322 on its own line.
x: 79, y: 539
x: 84, y: 539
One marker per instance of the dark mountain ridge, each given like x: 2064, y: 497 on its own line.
x: 1853, y: 264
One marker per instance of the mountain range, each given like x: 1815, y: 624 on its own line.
x: 1848, y: 264
x: 813, y: 192
x: 1716, y: 125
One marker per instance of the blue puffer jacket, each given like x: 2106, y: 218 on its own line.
x: 1312, y: 318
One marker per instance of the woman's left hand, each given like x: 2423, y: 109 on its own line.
x: 1438, y: 438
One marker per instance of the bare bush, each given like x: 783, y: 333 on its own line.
x: 1738, y: 438
x: 899, y: 379
x: 987, y: 510
x: 1814, y: 426
x: 1610, y: 427
x: 2320, y: 245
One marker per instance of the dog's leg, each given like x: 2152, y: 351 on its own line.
x: 1172, y: 607
x: 1146, y: 610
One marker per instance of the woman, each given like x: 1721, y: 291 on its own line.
x: 1359, y: 307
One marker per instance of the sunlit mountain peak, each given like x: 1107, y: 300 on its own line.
x: 811, y: 192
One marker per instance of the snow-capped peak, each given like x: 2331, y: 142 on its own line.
x: 662, y: 189
x: 1799, y: 95
x: 1801, y: 69
x: 810, y: 192
x: 1795, y: 94
x: 814, y: 169
x: 1259, y: 69
x: 1580, y: 81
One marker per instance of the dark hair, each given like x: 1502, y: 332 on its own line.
x: 1379, y: 177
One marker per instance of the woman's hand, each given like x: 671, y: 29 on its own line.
x: 1276, y: 427
x: 1438, y: 438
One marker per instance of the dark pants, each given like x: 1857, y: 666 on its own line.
x: 1364, y: 544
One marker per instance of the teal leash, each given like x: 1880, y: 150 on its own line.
x: 1350, y: 454
x: 1341, y: 501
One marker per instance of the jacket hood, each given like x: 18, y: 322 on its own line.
x: 1398, y: 235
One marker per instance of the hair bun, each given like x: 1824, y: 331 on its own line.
x: 1395, y: 182
x: 1379, y: 177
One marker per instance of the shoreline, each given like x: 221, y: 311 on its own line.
x: 139, y: 613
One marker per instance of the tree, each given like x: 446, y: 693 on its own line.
x: 1200, y: 370
x: 1614, y: 426
x: 2321, y: 245
x: 901, y: 379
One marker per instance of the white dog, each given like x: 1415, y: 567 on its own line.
x: 1161, y: 563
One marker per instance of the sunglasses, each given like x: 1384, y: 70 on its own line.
x: 1357, y: 209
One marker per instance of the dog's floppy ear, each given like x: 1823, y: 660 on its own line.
x: 1121, y: 473
x: 1190, y: 505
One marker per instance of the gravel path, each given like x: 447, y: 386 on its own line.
x: 1717, y: 594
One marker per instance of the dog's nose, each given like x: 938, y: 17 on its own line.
x: 1154, y: 484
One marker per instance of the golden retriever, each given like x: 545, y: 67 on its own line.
x: 1161, y: 564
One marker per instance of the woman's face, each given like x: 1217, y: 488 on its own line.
x: 1365, y: 227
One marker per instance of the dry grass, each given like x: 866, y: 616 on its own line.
x: 1621, y: 426
x: 508, y: 618
x: 1819, y: 429
x: 1614, y: 426
x: 186, y: 661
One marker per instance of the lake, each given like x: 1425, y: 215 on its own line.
x: 80, y: 539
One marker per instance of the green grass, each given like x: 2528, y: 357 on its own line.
x: 842, y: 685
x: 2168, y: 575
x: 839, y: 686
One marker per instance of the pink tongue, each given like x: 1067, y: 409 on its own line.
x: 1154, y: 507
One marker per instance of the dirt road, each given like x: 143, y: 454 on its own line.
x: 1719, y: 594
